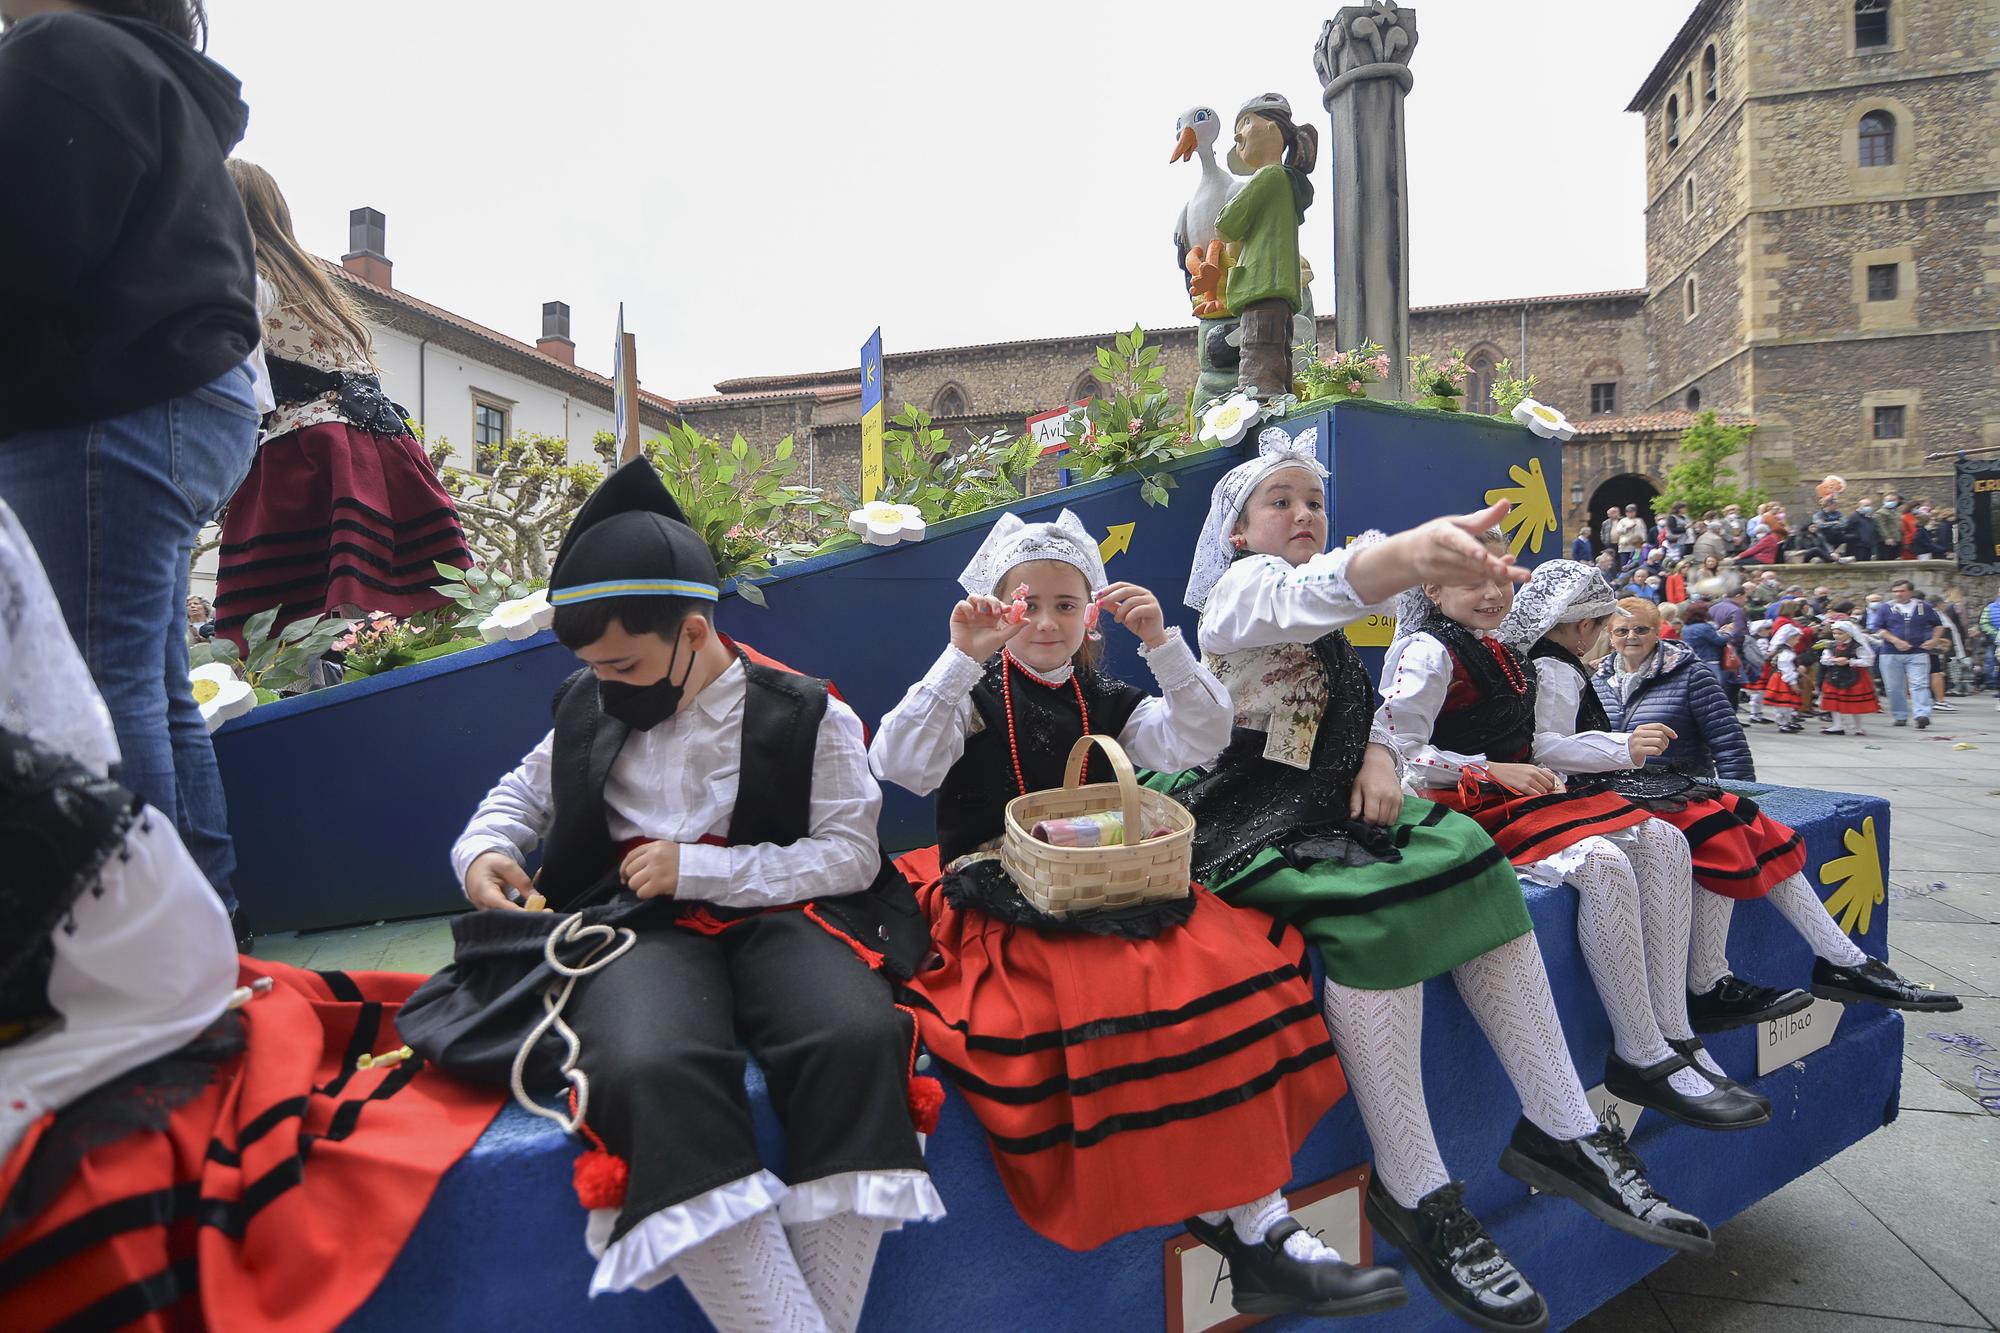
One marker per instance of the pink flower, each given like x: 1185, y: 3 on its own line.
x: 1354, y: 386
x: 1380, y: 365
x: 1134, y: 426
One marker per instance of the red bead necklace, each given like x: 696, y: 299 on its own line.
x: 1009, y: 666
x: 1516, y: 681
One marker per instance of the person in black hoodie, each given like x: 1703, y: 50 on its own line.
x: 126, y: 410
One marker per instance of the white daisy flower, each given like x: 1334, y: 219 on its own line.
x: 219, y: 694
x: 1544, y: 420
x: 882, y: 524
x: 1225, y: 422
x: 520, y: 618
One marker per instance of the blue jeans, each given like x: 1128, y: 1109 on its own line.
x: 114, y: 508
x: 1906, y: 678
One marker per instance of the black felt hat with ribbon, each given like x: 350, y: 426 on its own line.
x: 631, y: 540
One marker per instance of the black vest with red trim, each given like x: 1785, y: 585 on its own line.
x: 1489, y: 707
x: 782, y: 711
x: 1047, y: 720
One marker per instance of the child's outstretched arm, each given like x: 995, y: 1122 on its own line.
x: 510, y: 822
x: 1444, y: 550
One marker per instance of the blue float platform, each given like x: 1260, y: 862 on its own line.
x: 377, y: 777
x: 502, y: 1243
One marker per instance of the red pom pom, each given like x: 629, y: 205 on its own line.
x: 599, y: 1178
x: 926, y: 1100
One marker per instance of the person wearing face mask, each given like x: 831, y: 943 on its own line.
x: 1859, y: 532
x: 1889, y: 528
x: 710, y: 816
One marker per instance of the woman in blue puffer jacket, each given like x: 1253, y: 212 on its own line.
x: 1739, y: 851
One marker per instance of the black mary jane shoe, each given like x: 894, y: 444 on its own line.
x: 1602, y: 1175
x: 1451, y: 1252
x: 1687, y: 1047
x: 1734, y: 1003
x: 1724, y: 1108
x: 1264, y: 1280
x: 1875, y: 982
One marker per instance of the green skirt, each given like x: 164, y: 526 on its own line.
x: 1450, y: 897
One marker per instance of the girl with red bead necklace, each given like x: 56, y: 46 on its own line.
x: 1108, y: 1054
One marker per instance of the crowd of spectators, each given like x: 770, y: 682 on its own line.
x: 1725, y: 582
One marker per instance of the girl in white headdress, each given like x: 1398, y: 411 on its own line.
x: 115, y: 950
x: 1556, y: 619
x: 1305, y: 816
x: 1135, y: 1067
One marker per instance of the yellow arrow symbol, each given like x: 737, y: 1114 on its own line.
x: 1120, y: 539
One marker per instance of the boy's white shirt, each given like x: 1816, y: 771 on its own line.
x: 678, y: 783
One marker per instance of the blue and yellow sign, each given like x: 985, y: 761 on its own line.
x: 871, y: 416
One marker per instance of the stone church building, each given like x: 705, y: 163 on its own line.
x: 1822, y: 258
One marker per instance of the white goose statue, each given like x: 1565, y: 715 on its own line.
x: 1195, y: 230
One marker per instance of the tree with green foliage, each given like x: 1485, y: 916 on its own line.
x: 1703, y: 479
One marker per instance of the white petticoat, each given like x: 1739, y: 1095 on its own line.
x: 644, y: 1257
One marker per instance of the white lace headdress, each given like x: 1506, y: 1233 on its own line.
x: 1011, y: 542
x: 1560, y: 593
x: 1212, y: 553
x: 46, y: 692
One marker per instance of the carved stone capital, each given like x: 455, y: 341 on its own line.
x: 1371, y: 41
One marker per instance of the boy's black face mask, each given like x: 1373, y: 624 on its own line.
x: 643, y: 707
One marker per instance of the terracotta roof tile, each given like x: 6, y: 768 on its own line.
x: 1652, y: 421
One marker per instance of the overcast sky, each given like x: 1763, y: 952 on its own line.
x: 764, y: 183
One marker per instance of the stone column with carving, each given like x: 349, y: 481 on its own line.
x: 1363, y: 63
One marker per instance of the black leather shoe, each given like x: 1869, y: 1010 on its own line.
x: 1923, y: 724
x: 1685, y: 1047
x: 1875, y: 982
x: 1457, y: 1260
x: 1264, y: 1280
x: 1733, y: 1003
x: 1724, y: 1108
x: 1602, y: 1174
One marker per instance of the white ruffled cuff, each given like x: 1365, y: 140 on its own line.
x: 891, y: 1196
x: 644, y: 1257
x: 1172, y: 663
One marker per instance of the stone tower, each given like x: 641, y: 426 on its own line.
x: 1823, y: 232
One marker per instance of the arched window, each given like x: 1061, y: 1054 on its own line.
x: 1694, y: 400
x: 1673, y: 123
x: 950, y: 402
x: 1086, y: 386
x: 1692, y: 308
x: 1871, y: 24
x: 1878, y: 139
x: 1690, y: 196
x: 1692, y: 108
x: 1479, y: 368
x: 1708, y: 85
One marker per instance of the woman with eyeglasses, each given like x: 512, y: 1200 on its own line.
x: 1739, y: 851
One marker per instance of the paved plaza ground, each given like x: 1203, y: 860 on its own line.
x: 1899, y: 1233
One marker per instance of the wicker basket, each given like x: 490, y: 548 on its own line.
x: 1062, y: 881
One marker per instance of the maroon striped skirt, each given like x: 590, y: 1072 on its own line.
x: 329, y: 516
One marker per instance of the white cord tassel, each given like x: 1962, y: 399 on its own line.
x: 554, y: 997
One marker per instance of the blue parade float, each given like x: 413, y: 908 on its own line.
x: 377, y: 777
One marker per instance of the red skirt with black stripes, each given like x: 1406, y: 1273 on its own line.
x: 276, y: 1197
x: 1739, y: 851
x: 330, y: 516
x: 1528, y: 829
x: 1857, y: 696
x: 1127, y: 1083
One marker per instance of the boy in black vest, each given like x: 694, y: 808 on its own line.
x: 716, y: 812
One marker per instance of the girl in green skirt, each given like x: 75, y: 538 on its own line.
x: 1305, y: 817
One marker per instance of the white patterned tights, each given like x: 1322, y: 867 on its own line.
x: 1708, y: 960
x: 1379, y: 1034
x: 746, y: 1280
